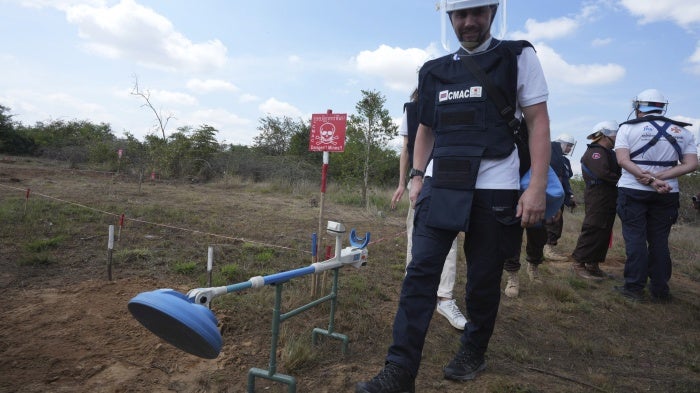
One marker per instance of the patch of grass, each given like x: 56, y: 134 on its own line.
x: 559, y: 292
x: 518, y: 354
x: 133, y: 255
x: 185, y: 268
x: 42, y: 259
x: 297, y: 354
x: 43, y: 244
x: 510, y: 387
x: 347, y: 198
x: 229, y: 272
x: 265, y: 255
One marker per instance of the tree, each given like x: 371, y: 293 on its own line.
x: 276, y: 135
x: 12, y: 139
x: 373, y: 128
x: 146, y: 95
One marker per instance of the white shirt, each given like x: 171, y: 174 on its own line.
x: 503, y: 173
x: 636, y: 136
x: 403, y: 128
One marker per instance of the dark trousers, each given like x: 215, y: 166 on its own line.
x: 555, y: 228
x: 596, y: 229
x: 646, y: 219
x: 534, y: 250
x: 494, y: 235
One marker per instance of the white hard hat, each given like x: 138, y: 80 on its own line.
x: 608, y: 128
x: 650, y: 100
x: 453, y: 5
x: 565, y: 138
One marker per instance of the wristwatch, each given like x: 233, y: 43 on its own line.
x: 415, y: 172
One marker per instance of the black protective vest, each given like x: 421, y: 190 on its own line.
x: 411, y: 109
x: 467, y: 126
x: 466, y: 122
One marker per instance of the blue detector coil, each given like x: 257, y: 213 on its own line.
x: 171, y: 316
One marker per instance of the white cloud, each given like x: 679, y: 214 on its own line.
x: 218, y: 118
x: 557, y: 69
x: 59, y: 4
x: 694, y: 128
x: 694, y: 60
x: 245, y: 98
x: 548, y: 30
x: 232, y: 128
x: 209, y: 85
x: 46, y: 105
x: 131, y: 31
x: 171, y: 97
x: 396, y: 66
x: 275, y: 107
x: 598, y: 42
x: 682, y: 12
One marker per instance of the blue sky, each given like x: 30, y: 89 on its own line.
x: 228, y: 63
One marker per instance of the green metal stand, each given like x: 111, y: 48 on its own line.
x: 278, y: 318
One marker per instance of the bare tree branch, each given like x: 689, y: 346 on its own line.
x: 146, y: 95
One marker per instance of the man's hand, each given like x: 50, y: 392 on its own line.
x: 397, y: 195
x: 416, y: 185
x: 531, y: 207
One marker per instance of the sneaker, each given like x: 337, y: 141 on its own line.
x: 392, y: 379
x: 594, y: 270
x: 449, y: 310
x: 552, y: 255
x: 465, y: 365
x: 581, y: 271
x: 512, y: 286
x: 636, y: 296
x: 533, y: 272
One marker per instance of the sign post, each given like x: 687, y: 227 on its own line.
x: 327, y: 135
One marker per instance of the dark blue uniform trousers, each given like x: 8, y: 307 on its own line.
x: 494, y: 235
x: 647, y: 218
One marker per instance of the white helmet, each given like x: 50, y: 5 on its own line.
x: 453, y: 5
x: 565, y: 138
x: 650, y: 100
x: 604, y: 128
x: 498, y: 25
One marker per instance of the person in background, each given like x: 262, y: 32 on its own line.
x: 562, y: 146
x: 471, y: 184
x: 543, y: 236
x: 446, y: 305
x: 653, y: 152
x: 536, y: 238
x: 600, y: 174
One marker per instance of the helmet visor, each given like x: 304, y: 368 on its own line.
x: 448, y: 38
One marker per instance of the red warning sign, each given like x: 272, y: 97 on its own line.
x: 328, y: 132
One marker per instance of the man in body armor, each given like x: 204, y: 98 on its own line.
x: 470, y: 185
x: 600, y: 173
x: 653, y: 151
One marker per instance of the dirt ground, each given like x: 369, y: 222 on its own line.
x: 65, y: 328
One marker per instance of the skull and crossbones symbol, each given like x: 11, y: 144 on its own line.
x: 328, y: 136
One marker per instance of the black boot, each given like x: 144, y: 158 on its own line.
x: 465, y: 365
x: 392, y: 379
